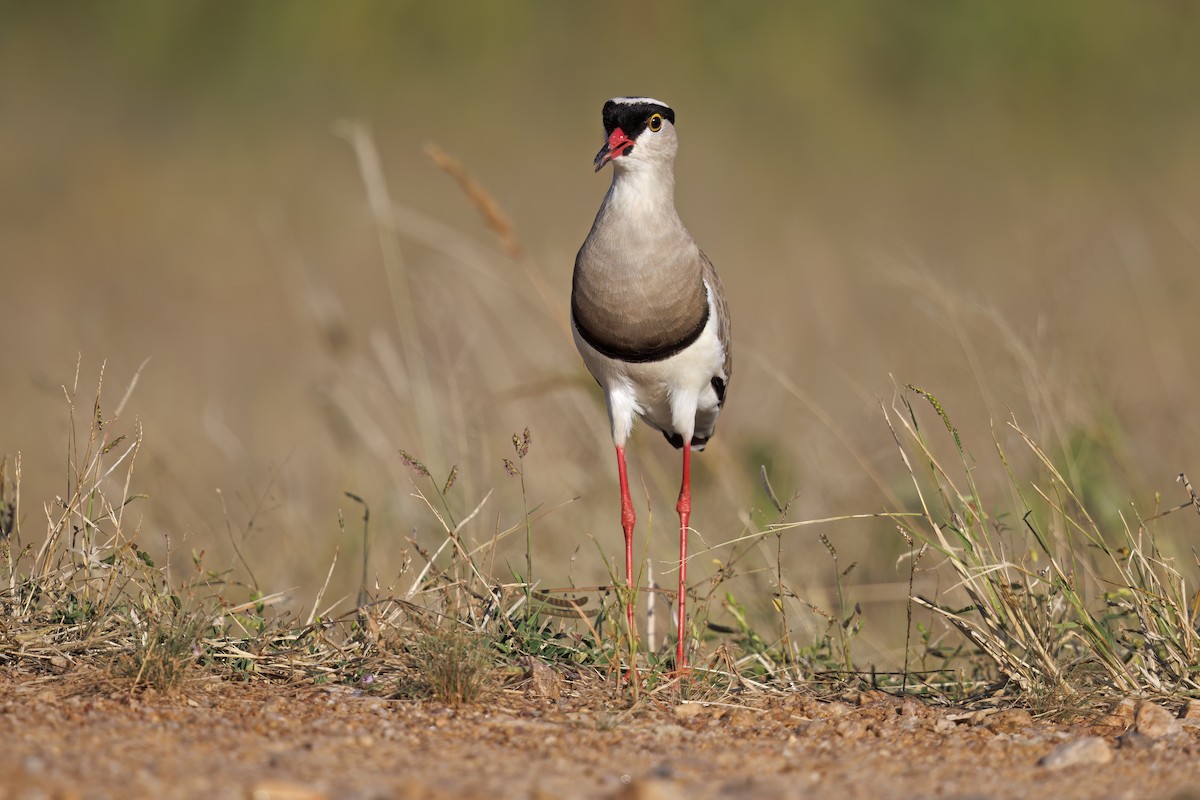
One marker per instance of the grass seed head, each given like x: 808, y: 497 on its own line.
x: 521, y: 443
x: 412, y: 463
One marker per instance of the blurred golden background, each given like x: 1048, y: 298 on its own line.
x: 997, y: 203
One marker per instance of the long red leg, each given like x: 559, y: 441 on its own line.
x: 684, y: 507
x: 627, y: 521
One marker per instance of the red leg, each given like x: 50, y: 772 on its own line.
x: 627, y: 521
x: 684, y: 507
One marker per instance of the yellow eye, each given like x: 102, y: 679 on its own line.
x: 655, y: 123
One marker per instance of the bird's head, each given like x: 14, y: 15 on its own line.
x: 639, y: 131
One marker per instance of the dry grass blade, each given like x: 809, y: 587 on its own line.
x: 493, y: 215
x: 499, y: 223
x: 1072, y: 626
x: 453, y: 667
x: 358, y: 134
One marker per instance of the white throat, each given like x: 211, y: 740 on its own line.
x: 642, y: 189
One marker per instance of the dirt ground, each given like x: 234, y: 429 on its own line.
x: 77, y: 736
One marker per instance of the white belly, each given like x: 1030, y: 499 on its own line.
x: 674, y: 395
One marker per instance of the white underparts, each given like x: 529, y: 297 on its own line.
x: 674, y: 395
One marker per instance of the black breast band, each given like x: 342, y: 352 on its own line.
x: 641, y: 355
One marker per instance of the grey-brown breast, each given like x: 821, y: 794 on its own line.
x: 639, y: 305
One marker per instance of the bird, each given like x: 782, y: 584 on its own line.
x: 648, y: 313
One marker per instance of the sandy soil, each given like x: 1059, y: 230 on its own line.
x: 73, y: 736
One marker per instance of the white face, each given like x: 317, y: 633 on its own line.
x: 651, y: 148
x: 654, y: 141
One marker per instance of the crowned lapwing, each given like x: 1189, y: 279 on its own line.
x: 648, y: 311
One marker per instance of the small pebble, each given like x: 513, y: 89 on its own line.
x: 1121, y: 714
x: 741, y: 718
x: 274, y: 705
x: 543, y: 681
x: 1010, y: 720
x: 284, y: 790
x: 944, y: 725
x: 689, y: 710
x: 1088, y: 750
x: 851, y: 729
x: 649, y: 789
x: 1154, y: 721
x: 1133, y: 740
